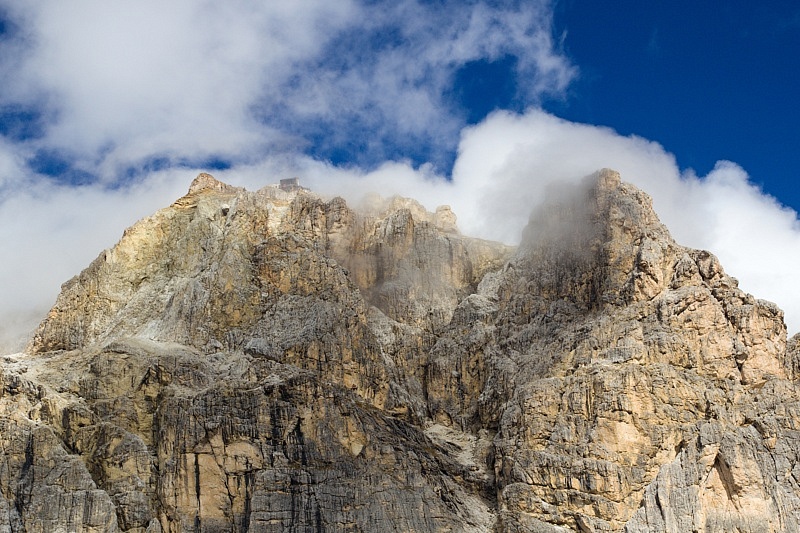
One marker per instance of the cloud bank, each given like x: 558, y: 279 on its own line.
x: 108, y: 112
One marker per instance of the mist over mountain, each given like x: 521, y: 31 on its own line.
x: 281, y: 361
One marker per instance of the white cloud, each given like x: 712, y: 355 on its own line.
x: 525, y: 153
x: 124, y: 82
x: 133, y: 79
x: 756, y: 238
x: 12, y: 165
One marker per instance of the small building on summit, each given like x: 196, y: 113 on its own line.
x: 290, y: 184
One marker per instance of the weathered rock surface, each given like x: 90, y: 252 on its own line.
x: 270, y: 361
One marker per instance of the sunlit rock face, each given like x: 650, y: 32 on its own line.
x: 274, y: 361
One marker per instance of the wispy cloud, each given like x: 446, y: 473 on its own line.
x: 123, y: 83
x: 118, y: 85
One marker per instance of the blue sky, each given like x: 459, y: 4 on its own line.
x: 108, y: 110
x: 708, y: 80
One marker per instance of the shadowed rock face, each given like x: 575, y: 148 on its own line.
x: 270, y: 361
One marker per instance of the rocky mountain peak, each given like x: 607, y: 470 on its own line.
x: 205, y: 181
x: 195, y: 271
x: 597, y: 242
x: 273, y: 360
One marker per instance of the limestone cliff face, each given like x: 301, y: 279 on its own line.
x: 270, y: 361
x: 641, y: 381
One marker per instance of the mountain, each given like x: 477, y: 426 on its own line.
x: 274, y: 361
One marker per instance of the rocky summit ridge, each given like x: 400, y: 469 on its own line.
x: 274, y: 361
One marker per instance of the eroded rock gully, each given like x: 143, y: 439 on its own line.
x: 271, y: 361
